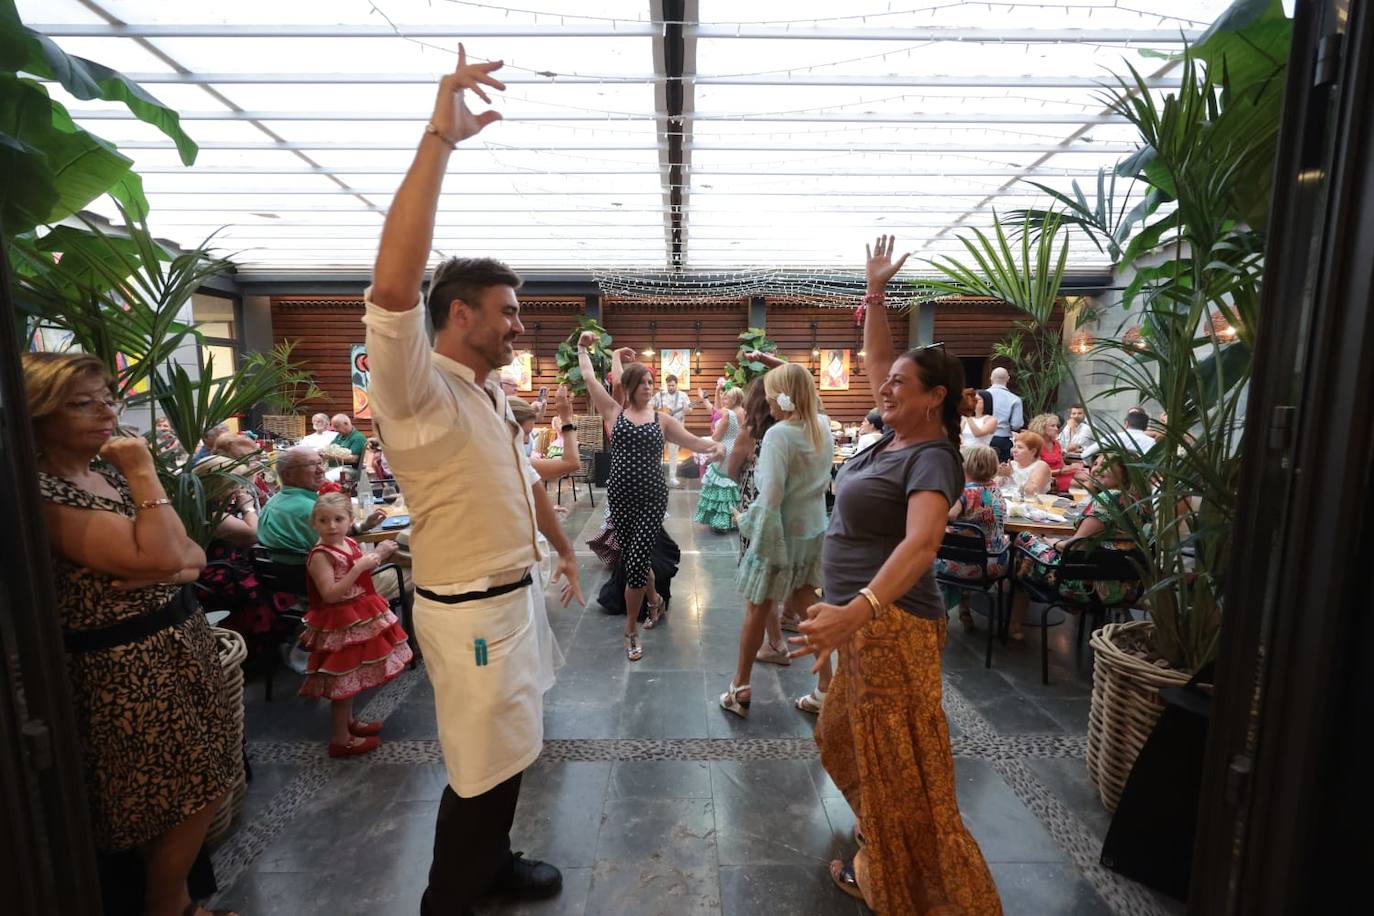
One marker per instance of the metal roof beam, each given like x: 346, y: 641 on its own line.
x: 983, y: 118
x: 470, y: 31
x: 534, y: 79
x: 755, y: 147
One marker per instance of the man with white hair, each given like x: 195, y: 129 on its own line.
x: 1007, y: 408
x: 348, y: 438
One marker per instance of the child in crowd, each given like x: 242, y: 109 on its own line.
x: 980, y: 503
x: 355, y: 641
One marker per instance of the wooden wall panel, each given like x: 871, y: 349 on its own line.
x: 324, y: 329
x: 721, y: 326
x: 970, y: 327
x: 789, y: 323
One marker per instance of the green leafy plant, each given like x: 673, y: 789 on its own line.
x: 1195, y: 242
x: 744, y: 370
x: 120, y: 296
x: 569, y: 372
x: 1021, y: 263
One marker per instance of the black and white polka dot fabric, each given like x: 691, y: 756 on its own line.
x: 637, y: 494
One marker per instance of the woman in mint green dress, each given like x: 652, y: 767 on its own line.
x: 719, y: 494
x: 785, y: 525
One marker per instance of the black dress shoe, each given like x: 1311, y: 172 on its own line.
x: 528, y: 879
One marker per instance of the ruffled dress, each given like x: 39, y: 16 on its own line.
x: 355, y: 644
x: 719, y: 494
x: 785, y: 524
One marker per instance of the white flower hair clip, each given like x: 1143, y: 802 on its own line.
x: 785, y: 402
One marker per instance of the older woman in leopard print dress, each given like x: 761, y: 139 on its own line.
x: 158, y: 745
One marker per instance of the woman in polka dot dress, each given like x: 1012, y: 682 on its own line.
x: 637, y: 493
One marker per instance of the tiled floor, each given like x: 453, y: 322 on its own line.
x: 650, y: 798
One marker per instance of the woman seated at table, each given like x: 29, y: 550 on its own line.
x: 1046, y: 426
x: 228, y: 583
x: 978, y: 427
x: 981, y: 504
x: 1041, y: 555
x: 1025, y: 471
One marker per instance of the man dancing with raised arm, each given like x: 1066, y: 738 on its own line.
x: 454, y: 447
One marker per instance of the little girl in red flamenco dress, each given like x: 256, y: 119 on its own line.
x: 355, y: 641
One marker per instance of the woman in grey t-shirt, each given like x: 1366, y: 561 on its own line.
x: 882, y: 733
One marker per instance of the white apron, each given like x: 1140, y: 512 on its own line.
x: 490, y: 717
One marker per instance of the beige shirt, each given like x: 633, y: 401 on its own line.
x: 454, y: 448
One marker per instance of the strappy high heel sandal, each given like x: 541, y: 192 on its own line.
x: 656, y: 612
x: 730, y: 701
x: 633, y: 652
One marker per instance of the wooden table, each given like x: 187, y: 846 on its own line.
x: 1016, y: 524
x: 377, y: 535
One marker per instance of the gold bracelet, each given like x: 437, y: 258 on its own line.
x: 872, y: 600
x: 152, y: 504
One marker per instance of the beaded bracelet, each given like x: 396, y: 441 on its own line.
x: 152, y: 504
x: 449, y: 142
x: 868, y: 299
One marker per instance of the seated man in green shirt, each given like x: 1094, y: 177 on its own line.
x: 284, y: 524
x: 349, y: 438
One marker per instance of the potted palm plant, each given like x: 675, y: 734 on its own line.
x: 744, y: 370
x: 1189, y: 234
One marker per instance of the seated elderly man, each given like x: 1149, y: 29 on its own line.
x: 284, y: 525
x: 207, y: 442
x: 349, y: 438
x: 238, y: 447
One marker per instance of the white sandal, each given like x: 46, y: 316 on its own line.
x: 633, y: 651
x: 812, y: 702
x: 771, y: 655
x: 730, y: 701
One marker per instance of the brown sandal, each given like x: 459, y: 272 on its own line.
x: 842, y: 873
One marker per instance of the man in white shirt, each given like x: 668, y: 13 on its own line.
x: 1008, y: 410
x: 1077, y: 433
x: 676, y: 404
x: 1133, y: 437
x: 453, y: 445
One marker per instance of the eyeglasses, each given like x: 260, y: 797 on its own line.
x: 96, y: 406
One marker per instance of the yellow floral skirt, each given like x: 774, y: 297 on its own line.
x: 884, y: 741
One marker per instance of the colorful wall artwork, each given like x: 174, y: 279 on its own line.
x: 834, y: 370
x: 362, y: 375
x: 678, y: 363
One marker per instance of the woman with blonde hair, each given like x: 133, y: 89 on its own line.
x: 1046, y: 426
x: 883, y: 736
x: 157, y: 742
x: 785, y: 524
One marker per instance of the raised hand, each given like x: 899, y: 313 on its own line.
x: 880, y: 267
x: 562, y: 404
x: 626, y: 354
x: 588, y: 339
x: 452, y: 117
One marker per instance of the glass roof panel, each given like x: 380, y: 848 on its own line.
x: 808, y: 125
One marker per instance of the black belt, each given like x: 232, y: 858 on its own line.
x: 135, y: 629
x: 463, y: 597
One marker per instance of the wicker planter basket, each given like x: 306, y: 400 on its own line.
x: 232, y: 651
x: 1125, y: 707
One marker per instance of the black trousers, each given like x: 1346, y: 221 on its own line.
x: 1002, y: 444
x: 471, y: 847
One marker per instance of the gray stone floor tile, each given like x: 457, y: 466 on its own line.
x: 1068, y: 780
x: 653, y: 888
x: 1017, y: 714
x: 756, y: 829
x: 264, y: 893
x: 777, y: 782
x: 1042, y: 889
x: 571, y: 902
x: 660, y: 779
x: 1005, y: 829
x: 560, y: 811
x: 794, y: 889
x: 663, y: 704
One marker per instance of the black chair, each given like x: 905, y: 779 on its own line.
x: 964, y: 542
x: 289, y: 579
x: 1081, y: 560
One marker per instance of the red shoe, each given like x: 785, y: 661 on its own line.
x: 354, y: 748
x: 362, y: 729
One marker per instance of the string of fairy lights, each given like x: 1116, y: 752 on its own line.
x: 837, y: 289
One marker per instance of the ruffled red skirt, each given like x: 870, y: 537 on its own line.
x: 354, y: 645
